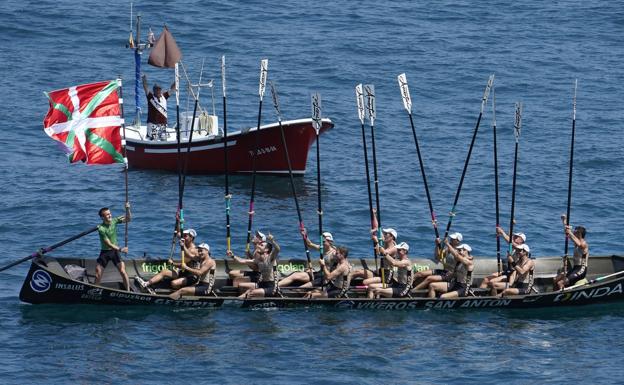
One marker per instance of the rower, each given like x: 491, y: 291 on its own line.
x: 389, y: 247
x: 462, y: 274
x: 178, y: 275
x: 204, y: 268
x: 440, y: 254
x: 253, y: 275
x: 521, y: 279
x: 337, y: 281
x: 518, y: 239
x: 266, y: 263
x: 311, y: 278
x: 580, y: 257
x: 401, y: 284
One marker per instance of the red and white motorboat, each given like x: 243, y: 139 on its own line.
x: 206, y: 155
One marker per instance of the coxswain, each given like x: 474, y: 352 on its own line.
x: 462, y: 274
x: 337, y: 281
x: 178, y: 276
x: 518, y: 239
x: 156, y: 110
x: 521, y: 278
x: 109, y: 250
x: 580, y: 257
x: 310, y: 278
x: 204, y: 268
x: 401, y: 282
x: 448, y: 263
x: 266, y: 263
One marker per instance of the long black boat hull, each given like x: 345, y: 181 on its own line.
x: 44, y: 285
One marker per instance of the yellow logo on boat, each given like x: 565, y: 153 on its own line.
x: 287, y: 268
x: 153, y: 268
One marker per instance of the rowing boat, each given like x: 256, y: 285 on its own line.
x: 55, y: 280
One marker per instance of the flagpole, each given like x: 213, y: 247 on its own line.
x: 125, y: 157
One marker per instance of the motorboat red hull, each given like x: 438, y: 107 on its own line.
x: 207, y: 153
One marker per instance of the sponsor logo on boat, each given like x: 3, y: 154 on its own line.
x: 480, y: 303
x: 264, y: 150
x: 345, y: 304
x: 588, y: 294
x: 263, y: 305
x: 69, y: 286
x: 419, y: 268
x: 40, y: 281
x: 385, y: 305
x: 137, y: 297
x: 167, y: 301
x: 153, y: 268
x: 93, y: 294
x: 287, y: 268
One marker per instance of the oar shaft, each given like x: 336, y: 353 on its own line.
x: 368, y: 187
x: 424, y: 177
x: 569, y: 204
x: 513, y: 199
x: 227, y: 180
x: 318, y: 193
x: 253, y: 178
x: 498, y: 243
x: 49, y: 248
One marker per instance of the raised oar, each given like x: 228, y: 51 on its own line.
x: 48, y: 249
x: 486, y: 93
x: 407, y: 103
x: 498, y: 254
x: 359, y: 95
x: 264, y: 65
x: 372, y: 115
x: 567, y: 220
x: 517, y: 127
x: 290, y: 174
x: 317, y: 123
x: 228, y: 197
x: 125, y: 157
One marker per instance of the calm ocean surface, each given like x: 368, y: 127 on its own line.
x: 448, y: 49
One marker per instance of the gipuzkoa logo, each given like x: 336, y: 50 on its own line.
x: 40, y: 281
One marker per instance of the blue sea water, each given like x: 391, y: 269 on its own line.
x: 447, y: 49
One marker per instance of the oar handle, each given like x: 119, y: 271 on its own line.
x: 48, y: 249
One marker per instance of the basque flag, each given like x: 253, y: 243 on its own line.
x: 86, y: 121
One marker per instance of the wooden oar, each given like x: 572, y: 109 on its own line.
x: 359, y: 95
x: 486, y: 93
x: 179, y: 214
x: 264, y: 66
x: 407, y: 103
x: 317, y: 123
x: 371, y: 107
x: 567, y: 220
x: 290, y: 174
x: 49, y: 248
x: 517, y: 128
x: 498, y: 254
x: 228, y: 196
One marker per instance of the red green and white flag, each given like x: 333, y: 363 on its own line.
x: 86, y: 121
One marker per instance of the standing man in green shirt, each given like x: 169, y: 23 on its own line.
x: 110, y: 251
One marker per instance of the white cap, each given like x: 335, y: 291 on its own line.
x: 391, y: 231
x: 204, y: 246
x: 524, y: 247
x: 403, y: 246
x: 465, y: 246
x: 260, y: 235
x: 190, y: 232
x: 327, y: 235
x: 521, y: 235
x: 457, y: 236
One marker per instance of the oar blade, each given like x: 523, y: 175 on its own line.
x: 371, y: 105
x: 275, y: 101
x: 264, y: 68
x: 518, y: 121
x: 405, y: 94
x: 359, y: 96
x: 223, y: 75
x: 316, y: 112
